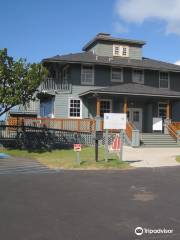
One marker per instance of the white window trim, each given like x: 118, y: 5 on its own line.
x: 106, y: 100
x: 127, y: 49
x: 69, y: 100
x: 120, y: 50
x: 122, y: 76
x: 133, y: 80
x: 114, y: 46
x: 84, y: 83
x: 162, y: 79
x: 159, y: 106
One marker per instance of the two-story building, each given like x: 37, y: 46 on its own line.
x: 110, y: 75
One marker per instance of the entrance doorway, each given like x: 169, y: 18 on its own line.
x: 134, y: 115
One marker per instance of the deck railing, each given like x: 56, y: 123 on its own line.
x: 55, y: 84
x: 129, y: 130
x: 77, y: 125
x: 172, y: 128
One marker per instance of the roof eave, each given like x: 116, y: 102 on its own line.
x: 110, y: 64
x: 128, y: 93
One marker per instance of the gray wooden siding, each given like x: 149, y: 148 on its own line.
x: 151, y: 78
x: 61, y: 102
x: 135, y: 52
x: 102, y: 49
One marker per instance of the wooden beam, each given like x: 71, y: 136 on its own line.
x: 98, y: 107
x: 168, y: 110
x: 125, y: 106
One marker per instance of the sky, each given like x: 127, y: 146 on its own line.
x: 36, y: 29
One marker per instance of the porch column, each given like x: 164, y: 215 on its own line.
x: 125, y: 106
x: 168, y: 110
x: 98, y: 107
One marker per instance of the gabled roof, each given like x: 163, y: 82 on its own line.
x: 134, y: 89
x: 89, y: 57
x: 104, y: 37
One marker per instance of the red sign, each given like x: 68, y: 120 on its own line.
x: 77, y: 147
x: 116, y: 143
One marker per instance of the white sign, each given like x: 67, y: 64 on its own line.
x: 114, y: 120
x: 157, y: 124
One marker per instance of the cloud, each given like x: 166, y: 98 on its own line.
x: 120, y: 28
x: 139, y: 11
x: 177, y: 62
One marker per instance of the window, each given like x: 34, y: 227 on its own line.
x: 116, y: 50
x: 164, y: 80
x: 138, y: 76
x: 136, y: 116
x: 87, y: 74
x: 120, y: 51
x: 105, y: 106
x: 65, y: 74
x: 75, y: 108
x: 116, y: 75
x: 162, y: 109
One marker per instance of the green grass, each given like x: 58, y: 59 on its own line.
x: 178, y: 159
x: 66, y: 159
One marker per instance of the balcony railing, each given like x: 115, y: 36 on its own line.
x: 55, y: 84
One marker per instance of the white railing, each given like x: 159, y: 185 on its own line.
x: 55, y: 84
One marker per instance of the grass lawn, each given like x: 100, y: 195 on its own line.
x: 178, y: 159
x: 66, y: 159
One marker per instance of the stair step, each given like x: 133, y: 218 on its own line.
x: 157, y: 140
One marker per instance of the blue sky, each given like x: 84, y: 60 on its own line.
x: 36, y: 29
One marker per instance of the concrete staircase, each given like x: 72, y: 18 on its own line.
x: 157, y: 140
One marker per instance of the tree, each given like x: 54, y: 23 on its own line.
x: 19, y: 81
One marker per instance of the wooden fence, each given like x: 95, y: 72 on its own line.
x: 76, y: 125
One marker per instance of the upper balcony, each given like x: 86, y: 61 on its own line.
x: 54, y: 84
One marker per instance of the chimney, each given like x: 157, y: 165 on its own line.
x: 103, y: 35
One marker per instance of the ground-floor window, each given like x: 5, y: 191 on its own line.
x: 105, y: 106
x: 162, y: 109
x: 75, y: 108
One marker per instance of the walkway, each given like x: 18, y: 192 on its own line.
x: 151, y: 157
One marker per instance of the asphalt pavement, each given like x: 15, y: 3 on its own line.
x: 90, y: 205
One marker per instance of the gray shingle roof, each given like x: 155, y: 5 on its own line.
x: 134, y: 89
x: 89, y: 57
x: 103, y: 37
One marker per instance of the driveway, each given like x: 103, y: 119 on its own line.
x: 14, y: 165
x: 90, y: 205
x: 151, y: 157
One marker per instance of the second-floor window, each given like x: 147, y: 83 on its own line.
x: 138, y: 76
x: 164, y: 79
x: 116, y: 75
x: 87, y: 74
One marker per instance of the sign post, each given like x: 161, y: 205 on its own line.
x: 106, y: 145
x: 115, y: 121
x: 121, y: 145
x: 77, y: 149
x: 98, y: 135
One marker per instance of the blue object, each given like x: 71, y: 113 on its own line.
x: 4, y: 155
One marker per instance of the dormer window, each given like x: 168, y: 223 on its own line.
x: 164, y: 79
x: 120, y: 51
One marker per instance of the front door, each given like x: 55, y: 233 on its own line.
x: 134, y: 115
